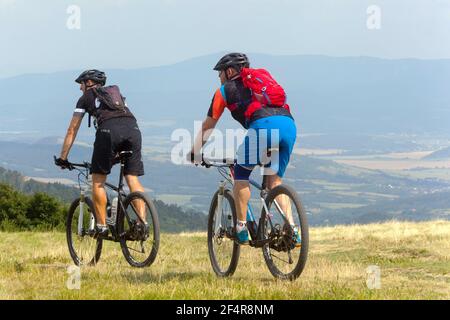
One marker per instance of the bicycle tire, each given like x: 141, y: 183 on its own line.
x: 229, y: 271
x: 99, y: 243
x: 304, y: 232
x: 155, y: 226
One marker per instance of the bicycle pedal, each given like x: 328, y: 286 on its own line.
x: 101, y: 235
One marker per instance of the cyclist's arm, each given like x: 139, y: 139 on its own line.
x: 71, y: 134
x: 216, y: 109
x: 208, y: 124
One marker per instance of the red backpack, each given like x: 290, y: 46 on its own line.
x: 265, y: 90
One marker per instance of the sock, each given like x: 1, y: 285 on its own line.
x: 101, y: 226
x: 241, y: 225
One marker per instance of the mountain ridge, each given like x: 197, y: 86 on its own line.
x: 326, y: 94
x: 74, y: 70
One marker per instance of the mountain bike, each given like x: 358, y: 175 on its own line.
x: 275, y: 232
x: 125, y: 218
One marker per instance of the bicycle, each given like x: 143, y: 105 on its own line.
x: 125, y: 219
x: 274, y: 232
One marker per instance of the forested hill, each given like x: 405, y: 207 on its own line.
x: 29, y: 186
x: 26, y: 204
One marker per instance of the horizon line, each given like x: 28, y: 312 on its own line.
x: 222, y: 52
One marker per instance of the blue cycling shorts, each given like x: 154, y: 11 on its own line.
x: 277, y: 133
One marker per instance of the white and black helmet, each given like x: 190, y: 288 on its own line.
x: 95, y: 75
x: 232, y: 60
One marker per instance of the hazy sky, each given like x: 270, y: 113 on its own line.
x: 34, y: 35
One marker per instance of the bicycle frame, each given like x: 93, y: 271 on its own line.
x: 255, y: 229
x: 120, y: 198
x: 85, y: 186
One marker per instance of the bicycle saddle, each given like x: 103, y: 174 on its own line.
x: 124, y: 155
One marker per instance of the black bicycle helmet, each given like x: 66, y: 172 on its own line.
x: 232, y: 60
x: 94, y: 75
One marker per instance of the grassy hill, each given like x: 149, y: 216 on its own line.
x: 414, y: 259
x: 31, y: 186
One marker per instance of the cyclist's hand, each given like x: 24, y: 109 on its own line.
x: 190, y: 157
x: 194, y: 158
x: 63, y: 163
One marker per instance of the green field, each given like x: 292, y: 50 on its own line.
x: 414, y: 259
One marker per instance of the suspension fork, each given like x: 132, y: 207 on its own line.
x: 218, y: 213
x: 81, y: 214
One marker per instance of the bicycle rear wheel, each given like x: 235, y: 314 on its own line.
x: 139, y: 243
x: 223, y: 250
x: 83, y: 248
x: 285, y: 224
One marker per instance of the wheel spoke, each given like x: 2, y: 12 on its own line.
x: 139, y: 251
x: 281, y: 259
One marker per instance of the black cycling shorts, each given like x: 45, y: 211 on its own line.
x: 113, y: 136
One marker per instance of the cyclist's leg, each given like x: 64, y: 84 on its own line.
x: 99, y: 195
x: 133, y: 183
x: 135, y: 186
x: 282, y: 200
x: 241, y: 191
x: 134, y: 167
x: 246, y: 159
x: 101, y: 166
x: 287, y: 138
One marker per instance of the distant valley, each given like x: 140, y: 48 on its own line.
x: 333, y: 193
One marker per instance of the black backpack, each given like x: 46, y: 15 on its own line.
x: 110, y: 97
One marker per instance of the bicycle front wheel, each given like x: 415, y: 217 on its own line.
x: 286, y: 227
x: 83, y: 248
x: 223, y: 250
x: 139, y: 240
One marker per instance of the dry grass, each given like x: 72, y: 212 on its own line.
x: 414, y: 260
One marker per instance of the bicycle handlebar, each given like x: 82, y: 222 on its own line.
x: 85, y: 165
x: 218, y: 163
